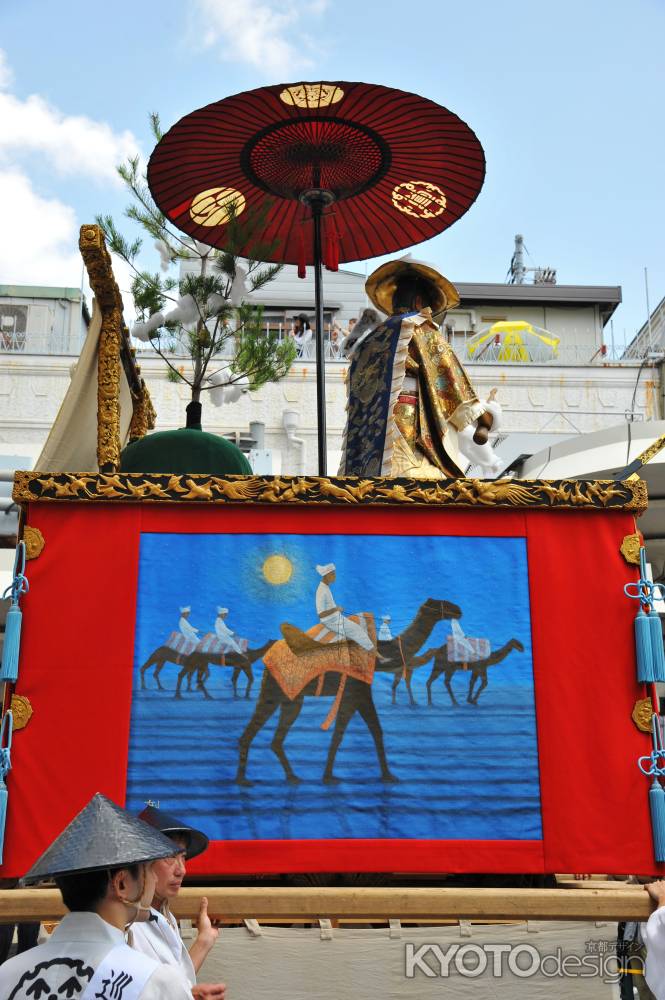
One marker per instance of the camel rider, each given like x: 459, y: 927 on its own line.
x: 186, y: 629
x: 159, y: 936
x: 385, y: 635
x: 330, y: 614
x: 224, y: 633
x: 103, y: 865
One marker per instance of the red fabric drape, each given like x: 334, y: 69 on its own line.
x: 76, y: 668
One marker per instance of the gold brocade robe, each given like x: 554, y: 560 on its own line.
x: 431, y: 400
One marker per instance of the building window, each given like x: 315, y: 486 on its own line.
x: 13, y: 325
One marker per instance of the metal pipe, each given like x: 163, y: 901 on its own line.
x: 317, y: 209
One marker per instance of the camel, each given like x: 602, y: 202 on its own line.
x: 198, y: 663
x: 356, y: 697
x: 477, y: 669
x: 239, y: 661
x: 406, y: 672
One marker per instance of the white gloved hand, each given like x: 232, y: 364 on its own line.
x: 482, y: 454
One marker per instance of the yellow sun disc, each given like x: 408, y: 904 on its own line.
x: 215, y: 206
x: 278, y: 569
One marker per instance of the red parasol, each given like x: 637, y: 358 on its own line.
x: 397, y: 168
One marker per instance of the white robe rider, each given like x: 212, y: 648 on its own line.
x: 385, y: 635
x: 333, y: 619
x: 224, y: 633
x: 186, y: 629
x: 86, y: 957
x: 159, y: 938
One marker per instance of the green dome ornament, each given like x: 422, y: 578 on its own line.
x: 187, y: 451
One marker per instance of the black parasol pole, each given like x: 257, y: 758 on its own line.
x: 318, y: 199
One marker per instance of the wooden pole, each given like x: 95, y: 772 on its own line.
x: 284, y: 905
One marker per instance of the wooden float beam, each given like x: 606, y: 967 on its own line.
x: 371, y: 904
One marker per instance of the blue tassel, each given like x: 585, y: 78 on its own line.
x: 6, y: 733
x: 12, y: 643
x: 656, y: 641
x: 657, y: 807
x: 3, y: 816
x: 645, y: 665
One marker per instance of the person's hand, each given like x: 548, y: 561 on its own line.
x: 657, y: 891
x: 209, y: 991
x: 207, y: 928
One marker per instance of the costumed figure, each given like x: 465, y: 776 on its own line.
x: 224, y: 633
x: 385, y: 635
x: 102, y: 864
x: 330, y: 614
x: 185, y: 627
x: 410, y: 401
x: 159, y: 937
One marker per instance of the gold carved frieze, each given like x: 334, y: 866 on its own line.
x: 472, y: 493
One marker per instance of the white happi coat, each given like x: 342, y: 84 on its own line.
x: 188, y: 630
x: 335, y: 621
x: 225, y: 635
x: 653, y: 934
x: 65, y: 964
x: 159, y: 938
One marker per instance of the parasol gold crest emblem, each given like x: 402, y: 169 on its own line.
x: 312, y: 95
x: 215, y: 206
x: 419, y: 198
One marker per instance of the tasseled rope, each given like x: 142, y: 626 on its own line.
x: 648, y: 633
x: 654, y: 769
x: 12, y: 643
x: 332, y: 244
x: 6, y: 732
x: 302, y: 268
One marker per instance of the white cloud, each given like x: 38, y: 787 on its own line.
x: 39, y: 245
x: 265, y: 34
x: 72, y: 144
x: 6, y: 75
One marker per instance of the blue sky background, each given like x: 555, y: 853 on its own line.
x: 566, y: 99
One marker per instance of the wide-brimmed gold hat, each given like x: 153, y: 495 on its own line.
x: 381, y: 284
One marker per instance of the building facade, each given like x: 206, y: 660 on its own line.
x: 581, y: 390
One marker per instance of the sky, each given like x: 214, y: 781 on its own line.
x: 566, y: 99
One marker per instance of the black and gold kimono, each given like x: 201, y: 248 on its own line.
x: 408, y: 397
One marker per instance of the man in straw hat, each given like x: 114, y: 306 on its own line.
x: 159, y: 937
x: 408, y: 394
x: 103, y: 865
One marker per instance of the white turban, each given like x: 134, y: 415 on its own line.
x: 324, y: 570
x: 183, y: 611
x: 222, y: 611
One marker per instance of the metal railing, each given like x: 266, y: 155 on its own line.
x: 54, y: 342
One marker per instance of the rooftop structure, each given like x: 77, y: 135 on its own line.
x: 37, y: 319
